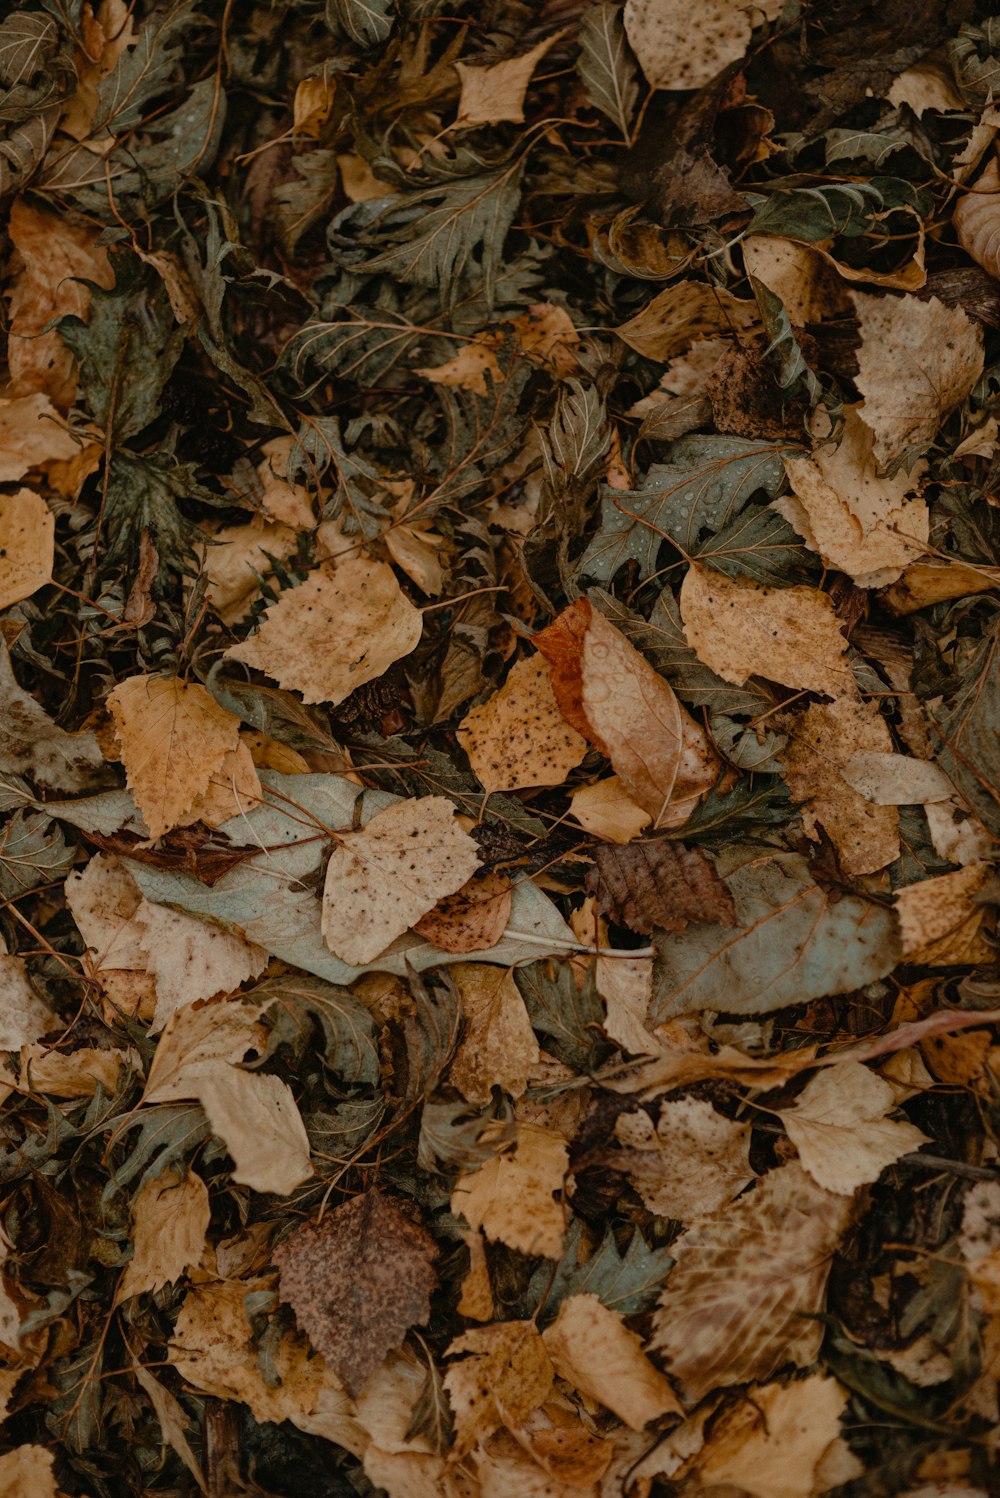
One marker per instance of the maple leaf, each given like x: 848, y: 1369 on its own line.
x: 358, y: 1282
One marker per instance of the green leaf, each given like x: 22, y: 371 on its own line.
x: 142, y: 494
x: 628, y: 1283
x: 33, y: 851
x: 783, y: 353
x: 570, y: 1017
x: 815, y: 213
x: 792, y: 943
x: 607, y: 66
x: 760, y: 545
x: 706, y: 483
x: 365, y: 22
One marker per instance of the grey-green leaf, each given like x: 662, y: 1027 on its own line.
x: 792, y: 943
x: 365, y: 22
x: 607, y: 66
x: 626, y: 1282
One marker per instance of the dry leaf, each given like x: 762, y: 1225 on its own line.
x: 496, y: 93
x: 287, y: 503
x: 27, y: 545
x: 31, y: 743
x: 334, y: 632
x: 624, y: 983
x: 195, y: 1039
x: 561, y: 1442
x: 547, y: 335
x: 191, y: 959
x: 512, y: 1197
x: 235, y: 554
x: 473, y: 919
x: 171, y: 1216
x: 474, y: 367
x: 977, y: 219
x: 174, y: 737
x: 821, y: 741
x: 30, y: 436
x: 24, y: 1017
x: 311, y: 106
x: 658, y: 883
x: 693, y: 1161
x: 505, y: 1376
x: 890, y: 779
x: 678, y: 48
x: 26, y: 1472
x: 257, y: 1119
x: 684, y: 312
x: 918, y: 359
x: 498, y: 1046
x: 935, y: 581
x: 807, y: 287
x: 506, y: 1466
x: 609, y: 692
x: 382, y: 879
x: 416, y: 549
x: 733, y: 1308
x: 518, y: 737
x: 923, y: 86
x: 773, y: 1442
x: 106, y: 35
x: 71, y: 1074
x: 604, y: 809
x: 358, y: 1282
x: 940, y: 920
x: 839, y: 1128
x: 476, y: 1300
x: 57, y: 257
x: 788, y: 635
x: 233, y: 790
x: 173, y: 1418
x: 592, y: 1348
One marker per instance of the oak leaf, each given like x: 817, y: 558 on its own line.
x: 27, y: 545
x: 171, y: 1216
x: 658, y: 883
x: 174, y: 737
x: 519, y: 738
x: 382, y: 879
x: 745, y: 1280
x: 512, y: 1196
x: 839, y: 1127
x: 358, y: 1282
x: 592, y: 1348
x: 506, y: 1374
x: 498, y: 1047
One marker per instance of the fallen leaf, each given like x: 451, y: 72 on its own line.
x: 474, y: 367
x: 232, y: 558
x: 839, y: 1127
x: 473, y: 919
x: 548, y: 336
x: 191, y: 959
x: 233, y: 790
x: 332, y: 633
x: 24, y: 1017
x: 311, y: 105
x: 977, y: 220
x: 678, y: 50
x: 609, y: 692
x: 257, y: 1119
x: 624, y: 983
x: 821, y: 741
x: 692, y: 1162
x: 935, y: 581
x: 505, y: 1375
x: 683, y: 313
x: 418, y: 550
x: 518, y: 737
x: 890, y: 779
x: 26, y: 1472
x: 174, y: 737
x: 358, y: 1282
x: 496, y: 93
x: 592, y: 1348
x: 806, y: 286
x: 925, y: 85
x: 604, y: 809
x: 941, y: 920
x: 32, y: 744
x: 918, y: 359
x: 746, y: 1281
x: 560, y: 1441
x: 27, y: 545
x: 773, y: 1442
x: 512, y: 1197
x: 171, y: 1216
x: 174, y: 1420
x: 788, y: 635
x: 658, y: 883
x: 498, y: 1046
x: 379, y: 881
x: 195, y: 1039
x: 31, y: 436
x: 70, y: 1074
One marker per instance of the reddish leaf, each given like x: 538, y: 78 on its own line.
x: 658, y: 884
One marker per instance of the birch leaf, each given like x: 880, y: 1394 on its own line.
x: 839, y: 1127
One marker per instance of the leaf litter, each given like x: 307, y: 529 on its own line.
x: 499, y: 720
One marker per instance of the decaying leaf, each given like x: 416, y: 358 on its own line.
x: 692, y: 1162
x: 26, y: 1472
x: 674, y: 53
x: 171, y: 1215
x: 776, y: 1442
x: 358, y: 1282
x: 258, y: 1120
x: 381, y: 880
x: 518, y: 737
x: 512, y: 1197
x: 659, y: 884
x: 591, y: 1348
x: 31, y: 436
x: 505, y: 1374
x: 27, y: 545
x: 473, y: 919
x: 941, y: 920
x: 682, y: 314
x: 746, y: 1280
x: 498, y: 1046
x: 334, y: 632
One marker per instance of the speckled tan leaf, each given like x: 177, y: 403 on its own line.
x: 170, y: 1220
x: 592, y: 1348
x: 495, y: 93
x: 940, y: 919
x: 379, y: 881
x: 498, y: 1046
x: 821, y: 741
x: 808, y: 288
x: 195, y: 1039
x: 918, y: 359
x: 191, y: 959
x: 684, y: 312
x: 839, y: 1127
x: 518, y: 737
x: 334, y: 632
x: 71, y: 1074
x: 173, y: 736
x: 512, y: 1197
x: 30, y: 435
x: 27, y: 545
x: 692, y: 1162
x: 24, y: 1016
x: 774, y: 1442
x: 733, y: 1305
x: 788, y: 635
x: 258, y: 1120
x: 505, y: 1374
x: 473, y: 919
x: 681, y: 48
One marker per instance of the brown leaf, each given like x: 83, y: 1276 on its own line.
x: 506, y: 1375
x: 358, y: 1282
x: 496, y: 93
x: 658, y: 883
x: 27, y: 545
x: 257, y: 1118
x: 592, y: 1348
x: 171, y: 1215
x: 733, y: 1308
x: 519, y: 738
x: 679, y: 48
x: 775, y: 1442
x: 498, y: 1047
x: 693, y: 1162
x: 30, y: 436
x: 472, y: 919
x: 977, y: 220
x: 512, y: 1197
x: 684, y: 312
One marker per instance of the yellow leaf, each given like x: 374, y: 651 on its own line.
x: 772, y: 1443
x: 518, y: 737
x: 789, y: 635
x: 839, y: 1128
x: 505, y: 1376
x: 70, y: 1074
x: 174, y: 736
x: 195, y: 1039
x: 466, y: 370
x: 605, y: 809
x: 312, y: 105
x: 382, y: 879
x: 473, y: 919
x: 257, y: 1118
x: 498, y: 1046
x: 170, y: 1216
x: 234, y: 555
x: 27, y: 545
x: 512, y: 1196
x: 592, y: 1348
x: 977, y: 220
x: 334, y: 632
x: 684, y: 312
x: 496, y: 93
